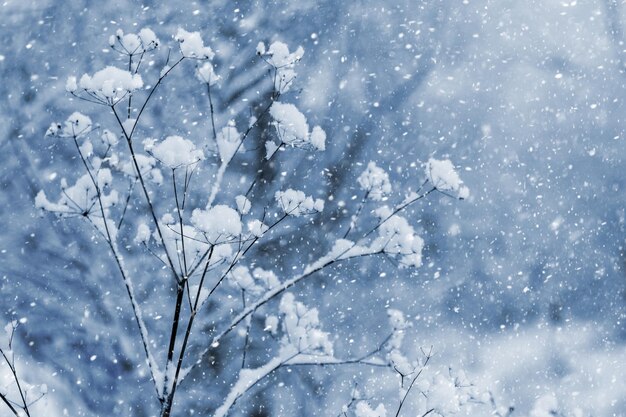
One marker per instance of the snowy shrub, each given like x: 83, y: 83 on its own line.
x: 156, y: 202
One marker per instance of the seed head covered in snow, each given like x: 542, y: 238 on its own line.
x: 206, y: 74
x: 218, y: 224
x: 290, y: 123
x: 363, y: 409
x: 257, y: 228
x: 131, y: 44
x: 149, y: 39
x: 147, y: 166
x: 82, y: 199
x: 111, y: 84
x: 243, y: 204
x: 175, y: 152
x: 109, y: 138
x: 301, y: 326
x: 375, y: 181
x: 71, y: 84
x: 240, y: 276
x: 293, y: 129
x: 443, y: 176
x: 228, y: 142
x: 192, y: 46
x: 283, y: 62
x: 76, y: 125
x: 396, y: 237
x: 279, y: 55
x: 296, y: 203
x: 271, y: 325
x: 318, y: 138
x: 143, y: 234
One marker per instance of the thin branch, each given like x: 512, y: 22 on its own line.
x: 146, y: 194
x: 247, y: 335
x: 11, y: 365
x: 127, y: 202
x: 208, y: 89
x: 8, y: 404
x: 180, y: 222
x: 406, y: 394
x: 167, y: 405
x: 125, y: 277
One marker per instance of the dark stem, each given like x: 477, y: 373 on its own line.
x: 167, y: 406
x: 208, y: 88
x: 130, y: 96
x: 8, y: 404
x: 247, y: 337
x: 146, y: 194
x: 180, y: 222
x: 406, y: 394
x: 126, y: 203
x: 118, y: 262
x: 17, y: 382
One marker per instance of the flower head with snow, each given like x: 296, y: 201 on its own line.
x: 443, y: 176
x: 218, y: 224
x: 296, y: 203
x: 301, y: 327
x: 77, y: 125
x: 282, y: 61
x: 293, y: 129
x: 175, y: 152
x: 192, y: 45
x: 375, y: 182
x: 107, y: 86
x: 396, y: 237
x: 133, y: 44
x: 206, y: 74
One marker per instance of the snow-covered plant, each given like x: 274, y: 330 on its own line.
x: 17, y: 395
x: 206, y: 253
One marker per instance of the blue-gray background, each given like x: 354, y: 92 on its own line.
x: 523, y: 285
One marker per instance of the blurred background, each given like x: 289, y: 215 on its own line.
x: 523, y: 284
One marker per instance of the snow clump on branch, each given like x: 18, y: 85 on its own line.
x: 301, y: 327
x: 283, y: 62
x: 396, y: 237
x: 206, y: 74
x: 219, y: 224
x: 109, y: 85
x: 131, y: 44
x: 76, y: 125
x: 174, y: 152
x: 443, y: 177
x: 293, y: 129
x: 375, y: 182
x: 296, y: 203
x: 192, y: 46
